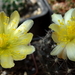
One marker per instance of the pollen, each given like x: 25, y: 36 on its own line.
x: 67, y: 33
x: 13, y: 29
x: 58, y: 20
x: 5, y: 23
x: 5, y: 41
x: 14, y: 22
x: 61, y: 22
x: 71, y: 28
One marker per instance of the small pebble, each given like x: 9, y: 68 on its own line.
x: 4, y: 73
x: 25, y: 73
x: 47, y: 56
x: 33, y: 69
x: 33, y: 1
x: 37, y: 12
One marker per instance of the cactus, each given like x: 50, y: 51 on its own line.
x: 26, y: 8
x: 10, y: 5
x: 52, y: 64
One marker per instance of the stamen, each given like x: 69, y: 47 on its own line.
x: 5, y: 23
x: 61, y: 22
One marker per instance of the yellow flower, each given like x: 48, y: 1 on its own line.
x: 14, y: 40
x: 64, y: 35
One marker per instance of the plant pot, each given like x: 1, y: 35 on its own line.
x: 49, y: 7
x: 41, y: 21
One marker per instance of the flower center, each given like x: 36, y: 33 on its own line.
x: 67, y: 32
x: 4, y: 40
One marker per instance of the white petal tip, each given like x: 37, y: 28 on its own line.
x: 30, y: 21
x: 52, y: 53
x: 33, y: 49
x: 28, y: 24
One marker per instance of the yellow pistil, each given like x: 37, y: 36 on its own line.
x: 67, y: 32
x: 13, y: 29
x: 61, y: 22
x: 3, y: 40
x: 5, y: 23
x: 71, y: 29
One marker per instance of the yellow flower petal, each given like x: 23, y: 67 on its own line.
x: 70, y: 48
x: 68, y: 15
x: 13, y: 22
x: 58, y: 49
x: 55, y: 27
x: 23, y: 39
x: 55, y: 37
x: 24, y: 27
x: 3, y: 22
x: 6, y: 61
x: 73, y: 15
x: 29, y: 49
x: 20, y: 52
x: 57, y: 18
x: 26, y: 39
x: 62, y: 54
